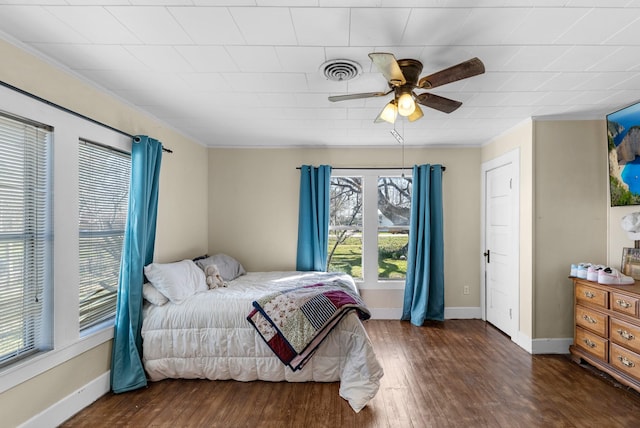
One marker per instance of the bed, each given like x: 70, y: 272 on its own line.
x: 205, y: 333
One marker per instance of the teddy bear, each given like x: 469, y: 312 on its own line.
x: 214, y: 280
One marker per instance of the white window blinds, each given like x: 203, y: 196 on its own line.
x: 25, y: 238
x: 103, y: 200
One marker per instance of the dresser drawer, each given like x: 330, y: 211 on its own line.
x: 625, y: 334
x: 624, y: 304
x: 592, y: 343
x: 592, y: 320
x: 625, y: 360
x: 592, y: 296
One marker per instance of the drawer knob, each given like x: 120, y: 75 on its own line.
x: 623, y: 303
x: 589, y: 295
x: 588, y: 319
x: 625, y: 334
x: 589, y: 343
x: 626, y: 361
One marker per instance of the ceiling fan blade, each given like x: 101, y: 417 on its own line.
x: 388, y: 66
x: 437, y: 102
x: 417, y: 114
x: 469, y: 68
x: 335, y: 98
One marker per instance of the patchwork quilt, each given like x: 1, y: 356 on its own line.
x: 295, y: 321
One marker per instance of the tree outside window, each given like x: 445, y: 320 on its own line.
x: 345, y: 226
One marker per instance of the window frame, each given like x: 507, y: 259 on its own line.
x: 370, y: 280
x: 67, y: 341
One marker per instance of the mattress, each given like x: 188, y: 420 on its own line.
x: 208, y: 336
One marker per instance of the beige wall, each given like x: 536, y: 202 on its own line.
x: 22, y: 402
x: 253, y: 209
x: 570, y: 207
x: 182, y: 219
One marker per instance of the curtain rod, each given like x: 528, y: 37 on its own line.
x: 444, y: 168
x: 74, y: 113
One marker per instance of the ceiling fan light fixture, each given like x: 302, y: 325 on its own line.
x: 406, y: 104
x: 389, y: 113
x: 417, y: 114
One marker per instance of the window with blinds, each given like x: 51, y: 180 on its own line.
x: 103, y: 200
x: 25, y: 238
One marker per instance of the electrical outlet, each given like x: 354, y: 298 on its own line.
x: 465, y: 290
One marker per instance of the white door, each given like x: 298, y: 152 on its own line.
x: 500, y: 253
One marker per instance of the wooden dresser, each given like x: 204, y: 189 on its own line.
x: 607, y: 329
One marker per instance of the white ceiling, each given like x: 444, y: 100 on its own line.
x: 247, y: 72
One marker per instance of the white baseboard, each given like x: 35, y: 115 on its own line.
x: 523, y: 341
x: 449, y: 313
x: 551, y: 346
x: 543, y: 346
x: 462, y: 313
x: 71, y: 404
x: 386, y: 313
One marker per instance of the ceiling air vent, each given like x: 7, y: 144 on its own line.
x: 341, y: 70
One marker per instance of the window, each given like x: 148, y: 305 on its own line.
x: 369, y: 225
x: 345, y: 226
x: 103, y: 201
x: 394, y: 212
x: 39, y: 236
x: 25, y: 238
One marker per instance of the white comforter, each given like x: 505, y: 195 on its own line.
x: 208, y: 336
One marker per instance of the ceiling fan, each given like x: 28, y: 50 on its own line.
x: 403, y: 76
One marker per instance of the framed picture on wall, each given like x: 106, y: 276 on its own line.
x: 623, y: 135
x: 631, y: 262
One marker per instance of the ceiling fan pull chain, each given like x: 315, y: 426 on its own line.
x: 403, y: 149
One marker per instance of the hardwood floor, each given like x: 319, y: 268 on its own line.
x: 460, y: 373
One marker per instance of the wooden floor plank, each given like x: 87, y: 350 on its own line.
x: 459, y: 373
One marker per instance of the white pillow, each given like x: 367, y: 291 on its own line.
x: 228, y: 267
x: 177, y: 281
x: 152, y: 295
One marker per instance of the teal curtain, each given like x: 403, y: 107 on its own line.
x: 313, y: 218
x: 424, y: 289
x: 127, y: 371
